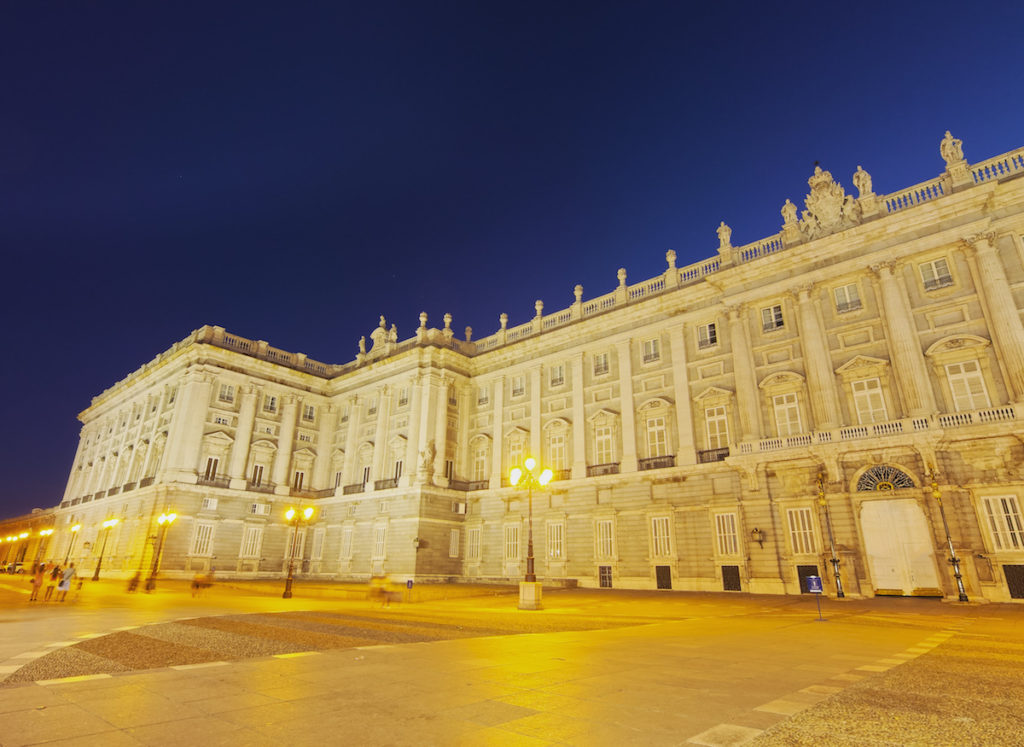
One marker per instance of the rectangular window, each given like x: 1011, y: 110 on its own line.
x: 346, y: 543
x: 371, y: 407
x: 209, y: 504
x: 227, y: 393
x: 725, y: 528
x: 398, y: 468
x: 380, y: 536
x: 652, y: 350
x: 270, y: 403
x: 480, y: 463
x: 600, y: 364
x: 449, y: 469
x: 337, y: 479
x: 382, y: 507
x: 298, y: 479
x: 801, y: 530
x: 557, y: 449
x: 518, y: 386
x: 211, y: 468
x: 366, y: 474
x: 556, y: 540
x: 657, y: 437
x: 847, y: 298
x: 473, y: 543
x: 202, y: 540
x: 260, y: 509
x: 967, y: 385
x: 403, y: 396
x: 1002, y: 515
x: 483, y: 395
x: 220, y: 420
x: 252, y: 541
x: 605, y: 539
x: 257, y: 475
x: 707, y: 336
x: 717, y: 426
x: 515, y: 452
x: 771, y: 318
x: 935, y: 274
x: 318, y: 544
x: 869, y: 402
x: 511, y: 542
x: 787, y: 414
x: 308, y: 413
x: 603, y: 451
x: 557, y: 375
x: 453, y: 543
x: 660, y: 543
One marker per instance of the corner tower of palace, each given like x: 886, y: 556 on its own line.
x: 843, y: 399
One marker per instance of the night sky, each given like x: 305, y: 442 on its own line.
x: 293, y: 170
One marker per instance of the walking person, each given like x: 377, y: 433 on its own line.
x: 38, y: 579
x: 53, y: 577
x: 65, y: 582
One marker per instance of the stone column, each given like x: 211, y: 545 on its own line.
x: 412, y: 444
x: 243, y: 437
x: 324, y: 447
x: 285, y: 443
x: 348, y: 476
x: 748, y: 401
x: 821, y: 379
x: 441, y: 431
x: 628, y: 461
x: 380, y: 433
x: 908, y: 361
x: 685, y: 451
x: 579, y: 427
x: 70, y: 490
x: 1004, y: 317
x: 498, y: 447
x: 535, y: 441
x: 185, y: 437
x: 464, y: 395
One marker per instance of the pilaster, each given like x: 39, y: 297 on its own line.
x: 628, y: 461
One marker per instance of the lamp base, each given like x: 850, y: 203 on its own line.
x: 530, y: 595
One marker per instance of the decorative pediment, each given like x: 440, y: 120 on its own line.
x: 517, y: 432
x: 714, y: 392
x: 603, y: 415
x: 557, y: 424
x: 829, y: 208
x: 859, y: 363
x: 305, y: 454
x: 264, y: 444
x: 398, y: 442
x: 218, y: 438
x: 655, y: 403
x: 956, y: 343
x: 781, y: 379
x: 480, y: 436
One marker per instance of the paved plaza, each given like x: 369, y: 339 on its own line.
x: 591, y: 668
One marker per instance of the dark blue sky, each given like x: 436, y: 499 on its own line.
x: 291, y: 171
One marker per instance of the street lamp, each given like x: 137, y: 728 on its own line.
x: 529, y: 589
x: 165, y: 521
x: 108, y: 525
x: 953, y: 559
x: 71, y: 544
x: 831, y: 541
x: 296, y: 519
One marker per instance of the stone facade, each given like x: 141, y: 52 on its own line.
x: 701, y: 424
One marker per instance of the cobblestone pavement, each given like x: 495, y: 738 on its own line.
x: 591, y: 668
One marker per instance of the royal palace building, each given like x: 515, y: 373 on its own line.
x: 844, y: 399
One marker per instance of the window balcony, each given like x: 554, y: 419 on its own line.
x: 712, y: 455
x: 561, y: 474
x: 942, y: 281
x: 842, y: 308
x: 128, y: 486
x: 468, y: 485
x: 358, y: 487
x: 145, y: 482
x: 658, y: 462
x: 594, y: 470
x: 219, y: 482
x: 391, y: 482
x: 263, y: 487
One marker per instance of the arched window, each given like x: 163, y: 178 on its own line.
x: 883, y: 477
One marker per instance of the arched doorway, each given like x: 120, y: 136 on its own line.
x: 897, y: 538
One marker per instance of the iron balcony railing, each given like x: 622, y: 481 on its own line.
x: 712, y: 455
x: 593, y: 470
x: 658, y: 462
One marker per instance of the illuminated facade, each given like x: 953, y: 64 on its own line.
x: 875, y: 341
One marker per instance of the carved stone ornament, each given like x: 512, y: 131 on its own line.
x: 951, y: 149
x: 829, y: 208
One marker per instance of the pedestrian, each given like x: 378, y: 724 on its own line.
x: 65, y: 582
x: 38, y: 579
x: 51, y: 584
x: 133, y: 582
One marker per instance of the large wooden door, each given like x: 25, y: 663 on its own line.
x: 899, y: 548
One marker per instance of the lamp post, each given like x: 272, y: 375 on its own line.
x: 164, y: 520
x: 831, y: 542
x: 529, y: 589
x: 71, y: 544
x: 296, y: 519
x: 108, y: 525
x: 953, y: 559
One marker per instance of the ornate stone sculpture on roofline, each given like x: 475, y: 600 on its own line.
x: 829, y: 208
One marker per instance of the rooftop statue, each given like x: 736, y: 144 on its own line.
x: 951, y: 150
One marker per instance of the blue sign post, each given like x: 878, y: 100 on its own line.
x: 814, y: 587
